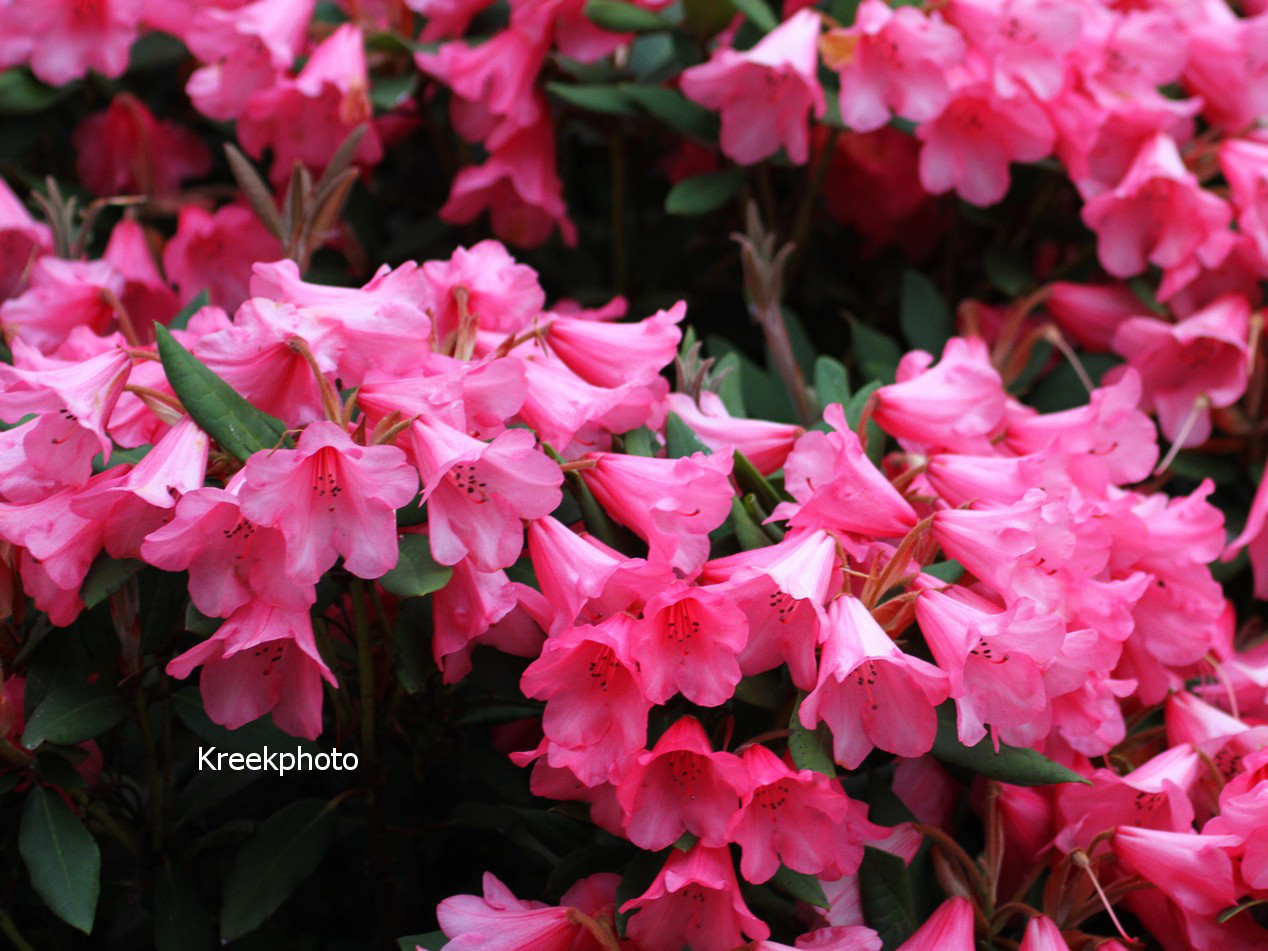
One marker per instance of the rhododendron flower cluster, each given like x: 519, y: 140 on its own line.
x: 355, y: 391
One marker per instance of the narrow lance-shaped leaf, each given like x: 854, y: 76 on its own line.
x: 235, y: 424
x: 624, y: 17
x: 62, y: 858
x: 72, y: 715
x: 416, y: 572
x: 1016, y: 765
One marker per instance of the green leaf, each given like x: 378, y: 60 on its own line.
x: 411, y: 644
x: 1007, y: 271
x: 223, y: 414
x: 800, y: 886
x: 640, y: 442
x: 181, y: 919
x: 832, y: 382
x: 702, y: 194
x: 72, y: 715
x: 105, y: 577
x: 594, y: 97
x: 181, y: 320
x: 674, y: 109
x: 681, y: 440
x: 925, y: 318
x: 432, y: 941
x: 810, y: 749
x: 23, y: 94
x: 747, y: 530
x: 752, y: 481
x: 53, y: 769
x: 416, y: 572
x: 758, y: 13
x: 1015, y: 765
x: 414, y: 513
x: 285, y: 849
x: 1234, y: 910
x: 62, y: 858
x: 949, y: 571
x: 624, y: 17
x: 885, y: 893
x: 388, y: 92
x: 854, y: 413
x: 876, y: 354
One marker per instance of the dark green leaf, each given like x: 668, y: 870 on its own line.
x: 1016, y: 765
x: 949, y: 571
x: 750, y: 480
x: 388, y: 92
x: 416, y: 572
x: 800, y: 886
x: 1007, y: 271
x: 832, y: 382
x: 1235, y: 910
x: 758, y: 13
x: 594, y: 97
x: 285, y: 849
x: 624, y: 17
x: 415, y: 513
x: 155, y: 50
x: 181, y: 919
x: 854, y: 413
x: 885, y: 893
x: 181, y: 320
x: 432, y: 941
x: 411, y: 644
x: 105, y: 577
x: 680, y: 439
x: 702, y: 194
x: 72, y: 715
x: 235, y: 424
x: 875, y: 353
x: 53, y: 769
x: 747, y: 531
x: 640, y: 442
x: 925, y: 318
x: 810, y: 749
x: 22, y: 94
x: 62, y: 858
x: 674, y: 109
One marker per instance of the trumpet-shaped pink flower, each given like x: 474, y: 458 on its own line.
x: 519, y: 188
x: 609, y: 354
x: 214, y: 252
x: 262, y: 659
x: 22, y: 240
x: 64, y: 39
x: 1202, y: 356
x: 595, y: 700
x: 1192, y: 870
x: 969, y: 146
x: 836, y: 487
x: 955, y: 405
x: 62, y: 295
x: 892, y: 60
x: 764, y: 443
x: 764, y: 93
x: 869, y: 692
x: 672, y: 504
x: 695, y: 901
x: 950, y: 928
x: 687, y: 641
x: 1158, y: 214
x: 499, y: 920
x: 1042, y: 934
x: 230, y: 559
x: 1227, y: 69
x: 125, y: 150
x: 305, y: 119
x: 68, y: 396
x: 681, y: 785
x: 1090, y: 313
x: 477, y: 493
x: 487, y: 285
x: 1026, y: 41
x: 330, y: 497
x: 798, y: 817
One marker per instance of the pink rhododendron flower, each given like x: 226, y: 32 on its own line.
x: 869, y: 692
x: 764, y: 443
x: 1091, y: 313
x: 1192, y: 870
x: 1226, y: 67
x: 60, y: 296
x: 125, y: 149
x: 214, y: 252
x: 892, y: 60
x: 681, y: 785
x: 1026, y: 41
x: 262, y: 659
x: 950, y: 928
x: 22, y: 240
x: 1157, y: 214
x: 500, y: 920
x: 483, y: 285
x: 764, y: 93
x: 330, y: 497
x: 695, y: 900
x: 672, y: 504
x: 1201, y: 358
x: 64, y: 39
